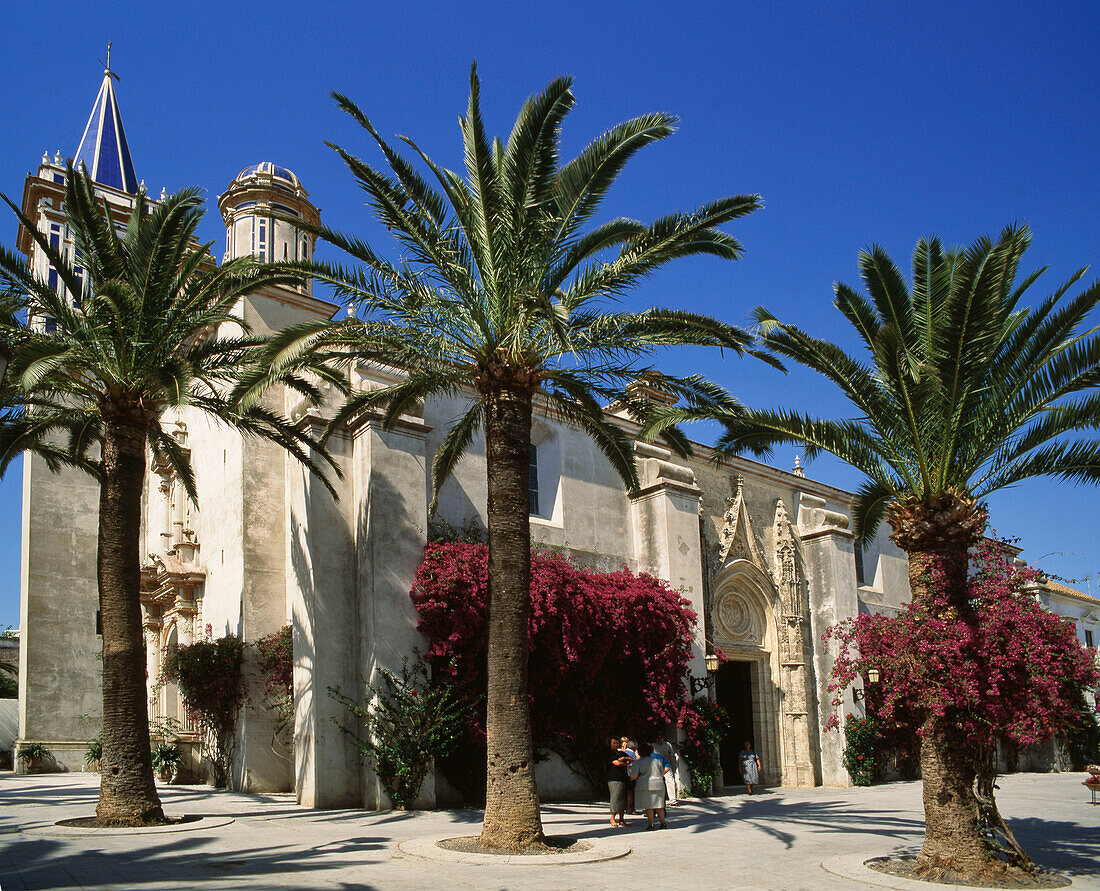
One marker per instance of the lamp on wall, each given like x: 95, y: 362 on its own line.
x: 703, y: 683
x: 872, y: 679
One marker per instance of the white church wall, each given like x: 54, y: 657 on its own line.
x: 588, y: 512
x: 60, y: 659
x: 389, y: 499
x: 320, y: 573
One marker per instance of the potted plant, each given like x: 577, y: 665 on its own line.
x: 93, y: 754
x: 35, y: 758
x: 167, y: 759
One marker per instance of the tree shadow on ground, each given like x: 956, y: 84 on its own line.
x: 776, y: 817
x: 50, y: 863
x: 1069, y: 847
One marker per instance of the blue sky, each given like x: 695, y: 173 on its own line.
x: 857, y: 122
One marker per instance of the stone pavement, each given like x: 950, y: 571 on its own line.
x: 774, y: 840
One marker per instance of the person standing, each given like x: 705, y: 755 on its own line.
x: 750, y: 766
x: 649, y: 792
x: 617, y: 780
x: 668, y: 752
x: 631, y: 749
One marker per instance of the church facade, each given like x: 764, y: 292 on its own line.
x: 765, y: 555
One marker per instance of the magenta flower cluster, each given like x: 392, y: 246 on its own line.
x: 997, y: 666
x: 608, y: 651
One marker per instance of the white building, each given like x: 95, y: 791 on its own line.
x: 765, y: 555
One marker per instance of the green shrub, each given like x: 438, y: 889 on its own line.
x: 860, y: 742
x: 34, y: 752
x: 406, y: 723
x: 94, y: 753
x: 166, y: 758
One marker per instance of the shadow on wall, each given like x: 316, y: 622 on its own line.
x: 322, y: 567
x: 390, y: 544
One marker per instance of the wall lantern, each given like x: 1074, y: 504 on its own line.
x: 873, y: 677
x: 703, y: 683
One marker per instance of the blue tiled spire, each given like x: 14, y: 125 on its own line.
x: 103, y: 149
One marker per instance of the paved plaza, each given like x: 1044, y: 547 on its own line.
x: 775, y: 840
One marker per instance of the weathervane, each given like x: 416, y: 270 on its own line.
x: 107, y: 65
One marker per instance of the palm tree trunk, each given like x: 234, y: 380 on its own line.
x: 127, y: 792
x: 952, y: 835
x: 512, y: 818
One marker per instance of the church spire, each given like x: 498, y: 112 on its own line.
x: 103, y: 149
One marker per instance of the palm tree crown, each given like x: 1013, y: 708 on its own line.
x: 963, y: 390
x: 499, y: 289
x: 136, y: 337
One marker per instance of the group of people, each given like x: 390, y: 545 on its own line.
x: 645, y: 778
x: 641, y: 778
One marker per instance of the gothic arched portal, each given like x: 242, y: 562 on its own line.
x: 762, y: 684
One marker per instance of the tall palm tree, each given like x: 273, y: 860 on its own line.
x: 499, y: 295
x: 140, y: 337
x: 963, y: 391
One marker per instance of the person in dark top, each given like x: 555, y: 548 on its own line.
x: 617, y: 779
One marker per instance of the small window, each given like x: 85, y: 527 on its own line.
x: 55, y: 237
x: 51, y: 279
x: 1088, y: 639
x: 50, y: 325
x: 78, y: 271
x: 533, y: 481
x: 859, y: 564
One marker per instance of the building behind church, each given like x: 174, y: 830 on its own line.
x: 766, y: 556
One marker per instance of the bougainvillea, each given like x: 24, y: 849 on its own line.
x: 704, y: 723
x: 997, y: 667
x: 1003, y: 668
x: 608, y: 651
x: 211, y: 683
x: 275, y: 662
x: 275, y: 667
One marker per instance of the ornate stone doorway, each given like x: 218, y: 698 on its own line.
x: 734, y: 692
x: 744, y: 631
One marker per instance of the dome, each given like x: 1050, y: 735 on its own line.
x: 268, y: 169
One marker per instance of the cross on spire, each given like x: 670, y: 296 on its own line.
x: 107, y: 64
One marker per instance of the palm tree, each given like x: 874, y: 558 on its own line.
x: 498, y: 297
x: 964, y: 392
x: 138, y: 338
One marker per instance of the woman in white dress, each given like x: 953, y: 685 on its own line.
x: 649, y: 791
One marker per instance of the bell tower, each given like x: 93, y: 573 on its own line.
x: 60, y: 684
x: 249, y: 207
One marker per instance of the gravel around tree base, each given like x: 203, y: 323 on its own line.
x: 471, y: 844
x: 1010, y: 877
x: 95, y: 823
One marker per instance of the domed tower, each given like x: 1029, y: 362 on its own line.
x: 248, y: 207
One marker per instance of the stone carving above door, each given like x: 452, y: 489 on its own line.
x: 739, y: 621
x: 736, y: 540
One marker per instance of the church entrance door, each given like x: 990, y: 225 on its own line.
x: 734, y: 694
